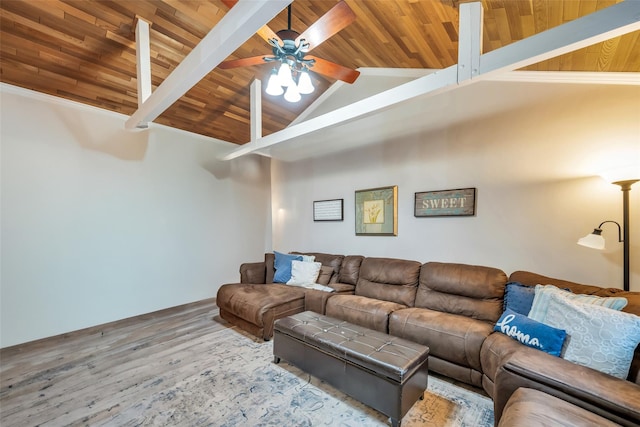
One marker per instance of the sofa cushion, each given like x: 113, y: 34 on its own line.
x: 350, y: 269
x: 599, y: 337
x: 455, y: 338
x: 367, y: 312
x: 326, y: 271
x: 468, y: 290
x: 531, y: 333
x: 389, y: 279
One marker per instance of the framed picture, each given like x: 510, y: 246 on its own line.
x: 328, y: 210
x: 460, y: 202
x: 377, y: 211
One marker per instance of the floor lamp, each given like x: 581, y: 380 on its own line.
x: 595, y: 239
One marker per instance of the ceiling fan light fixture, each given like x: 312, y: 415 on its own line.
x: 273, y: 85
x: 305, y: 86
x: 284, y: 75
x: 289, y: 50
x: 292, y: 94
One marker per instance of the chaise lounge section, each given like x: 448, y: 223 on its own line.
x: 256, y: 302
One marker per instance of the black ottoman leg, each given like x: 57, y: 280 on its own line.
x: 276, y: 359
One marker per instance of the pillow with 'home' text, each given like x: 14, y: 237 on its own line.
x: 531, y: 333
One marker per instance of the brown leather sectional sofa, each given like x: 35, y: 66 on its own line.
x: 449, y: 307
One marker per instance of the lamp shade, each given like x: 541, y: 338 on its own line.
x: 292, y: 94
x: 284, y: 74
x: 273, y: 86
x: 593, y: 240
x: 305, y: 86
x: 628, y: 172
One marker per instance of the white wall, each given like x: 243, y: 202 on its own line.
x: 537, y: 192
x: 100, y: 224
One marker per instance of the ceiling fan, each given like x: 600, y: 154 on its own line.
x: 291, y: 48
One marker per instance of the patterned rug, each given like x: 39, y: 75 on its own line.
x: 243, y: 387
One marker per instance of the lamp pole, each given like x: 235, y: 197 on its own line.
x: 625, y: 187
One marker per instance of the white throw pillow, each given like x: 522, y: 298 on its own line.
x: 598, y: 337
x: 304, y: 273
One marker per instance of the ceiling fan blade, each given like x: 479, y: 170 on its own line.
x: 333, y: 70
x: 229, y: 3
x: 244, y: 62
x: 329, y: 24
x: 265, y: 32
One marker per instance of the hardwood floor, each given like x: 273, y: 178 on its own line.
x: 90, y: 374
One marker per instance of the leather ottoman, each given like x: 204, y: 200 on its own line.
x: 384, y: 372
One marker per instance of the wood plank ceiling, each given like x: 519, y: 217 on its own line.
x: 84, y: 50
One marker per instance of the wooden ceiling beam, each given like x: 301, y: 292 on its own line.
x: 613, y: 21
x: 237, y: 26
x: 605, y: 24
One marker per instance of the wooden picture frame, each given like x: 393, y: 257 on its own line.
x: 377, y: 211
x: 458, y: 202
x: 328, y: 210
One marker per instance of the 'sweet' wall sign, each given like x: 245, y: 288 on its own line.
x: 460, y: 202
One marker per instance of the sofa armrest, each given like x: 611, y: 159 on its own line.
x: 612, y: 398
x: 315, y: 300
x: 253, y: 272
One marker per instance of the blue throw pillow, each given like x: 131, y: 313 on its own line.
x: 519, y: 297
x: 282, y: 265
x: 531, y: 333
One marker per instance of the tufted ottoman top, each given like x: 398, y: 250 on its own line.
x: 383, y: 354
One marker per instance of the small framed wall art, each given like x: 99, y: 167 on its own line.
x: 460, y: 202
x: 377, y: 211
x: 328, y: 210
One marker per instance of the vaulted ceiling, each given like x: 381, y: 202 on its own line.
x: 85, y: 50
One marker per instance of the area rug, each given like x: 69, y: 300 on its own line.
x: 241, y: 386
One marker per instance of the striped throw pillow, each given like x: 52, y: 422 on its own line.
x: 541, y: 299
